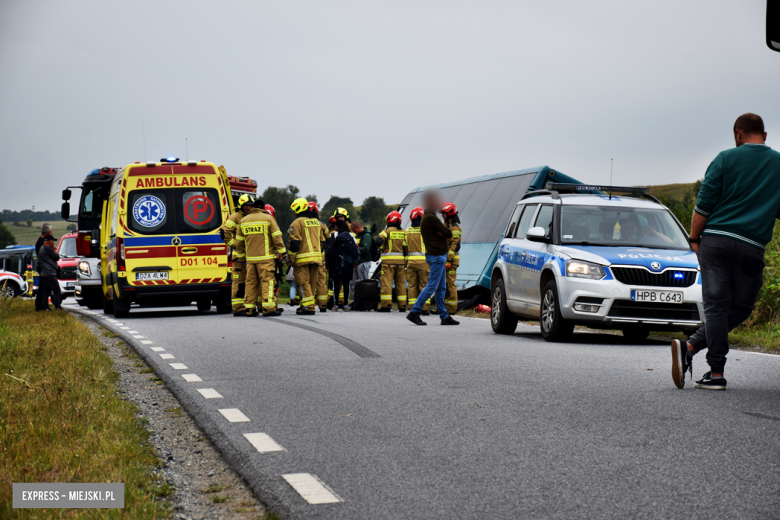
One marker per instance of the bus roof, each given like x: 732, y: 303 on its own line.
x: 538, y: 169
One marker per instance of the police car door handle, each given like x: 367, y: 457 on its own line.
x: 523, y: 254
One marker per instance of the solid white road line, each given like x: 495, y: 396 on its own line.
x: 158, y: 349
x: 263, y: 442
x: 145, y: 342
x: 209, y: 393
x: 166, y: 356
x: 311, y: 488
x: 191, y: 378
x: 234, y: 415
x: 178, y: 366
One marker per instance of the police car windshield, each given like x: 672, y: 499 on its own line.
x: 621, y: 226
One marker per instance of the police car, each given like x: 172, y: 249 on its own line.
x: 573, y: 255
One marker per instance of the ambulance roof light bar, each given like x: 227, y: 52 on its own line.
x: 169, y: 159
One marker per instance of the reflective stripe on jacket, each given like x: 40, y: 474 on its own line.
x: 229, y: 229
x: 415, y: 248
x: 453, y: 244
x: 394, y: 242
x: 259, y: 238
x: 309, y: 234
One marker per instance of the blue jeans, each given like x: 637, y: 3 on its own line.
x: 437, y: 284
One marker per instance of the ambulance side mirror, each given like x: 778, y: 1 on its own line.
x: 65, y: 211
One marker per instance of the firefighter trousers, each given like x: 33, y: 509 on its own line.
x: 322, y: 287
x: 393, y: 273
x: 307, y: 278
x: 238, y: 275
x: 451, y: 299
x: 260, y: 287
x: 416, y: 279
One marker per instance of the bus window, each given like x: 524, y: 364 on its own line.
x: 495, y: 210
x: 521, y: 188
x: 473, y: 209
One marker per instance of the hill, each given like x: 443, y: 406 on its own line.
x: 671, y: 191
x: 26, y: 236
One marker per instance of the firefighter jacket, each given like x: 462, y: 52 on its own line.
x: 258, y: 238
x: 415, y: 248
x: 453, y: 244
x: 228, y: 232
x: 394, y: 241
x: 307, y: 236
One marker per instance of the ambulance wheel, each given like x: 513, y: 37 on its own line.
x: 121, y: 308
x: 108, y: 305
x: 554, y: 327
x: 501, y: 318
x: 204, y: 305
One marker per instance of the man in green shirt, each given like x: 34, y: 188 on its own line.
x: 733, y: 221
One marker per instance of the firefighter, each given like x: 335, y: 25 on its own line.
x: 332, y: 303
x: 238, y: 272
x: 279, y: 272
x: 322, y: 274
x: 452, y: 221
x: 392, y: 244
x: 259, y: 240
x: 417, y: 268
x: 29, y: 277
x: 341, y: 214
x: 306, y: 238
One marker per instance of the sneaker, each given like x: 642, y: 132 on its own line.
x: 384, y: 309
x: 449, y: 321
x: 346, y: 308
x: 682, y: 362
x: 709, y: 383
x: 304, y: 312
x: 415, y: 318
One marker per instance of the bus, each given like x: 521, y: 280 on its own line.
x: 484, y: 204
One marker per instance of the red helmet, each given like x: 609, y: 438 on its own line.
x: 270, y: 210
x: 449, y: 209
x: 416, y: 213
x: 332, y: 220
x: 394, y: 217
x: 313, y: 207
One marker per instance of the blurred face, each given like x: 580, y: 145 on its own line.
x: 630, y: 228
x: 432, y: 202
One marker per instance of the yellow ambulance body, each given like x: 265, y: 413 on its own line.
x: 160, y: 241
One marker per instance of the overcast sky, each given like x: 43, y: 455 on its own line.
x: 375, y: 98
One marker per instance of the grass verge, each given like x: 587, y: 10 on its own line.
x: 61, y: 419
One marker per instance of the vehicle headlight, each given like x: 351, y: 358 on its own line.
x: 84, y: 268
x: 580, y: 269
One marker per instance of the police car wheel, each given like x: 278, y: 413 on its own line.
x: 501, y: 318
x: 554, y: 327
x: 9, y: 290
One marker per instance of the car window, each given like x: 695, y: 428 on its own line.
x: 525, y: 220
x: 197, y: 211
x: 625, y: 226
x: 510, y: 229
x: 544, y: 220
x: 151, y: 212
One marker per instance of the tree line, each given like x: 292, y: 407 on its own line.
x: 27, y: 214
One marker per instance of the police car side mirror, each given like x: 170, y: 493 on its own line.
x: 773, y: 25
x: 537, y: 234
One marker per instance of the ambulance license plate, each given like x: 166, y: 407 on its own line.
x: 161, y: 275
x: 642, y: 295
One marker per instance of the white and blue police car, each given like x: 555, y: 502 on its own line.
x: 573, y: 255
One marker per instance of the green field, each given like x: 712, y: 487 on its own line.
x: 26, y: 236
x: 671, y: 191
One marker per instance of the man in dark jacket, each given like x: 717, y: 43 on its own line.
x: 39, y: 305
x: 49, y: 286
x: 364, y: 240
x: 435, y: 235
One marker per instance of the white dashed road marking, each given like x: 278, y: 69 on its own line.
x: 138, y: 336
x: 209, y: 393
x: 166, y: 356
x: 125, y: 328
x: 311, y: 488
x: 192, y: 378
x: 234, y: 415
x: 158, y: 349
x: 132, y: 332
x: 178, y: 366
x: 263, y: 442
x: 145, y: 342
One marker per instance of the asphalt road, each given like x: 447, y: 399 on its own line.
x: 398, y: 421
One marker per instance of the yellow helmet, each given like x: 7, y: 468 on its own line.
x: 299, y: 205
x: 245, y: 199
x: 341, y: 211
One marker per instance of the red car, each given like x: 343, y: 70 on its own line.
x: 69, y: 260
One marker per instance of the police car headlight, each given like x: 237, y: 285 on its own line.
x: 84, y: 268
x: 580, y: 269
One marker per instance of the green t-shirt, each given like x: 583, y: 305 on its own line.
x: 740, y: 194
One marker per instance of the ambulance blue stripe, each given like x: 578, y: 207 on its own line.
x: 166, y: 240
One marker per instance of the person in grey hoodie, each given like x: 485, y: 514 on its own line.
x: 49, y: 286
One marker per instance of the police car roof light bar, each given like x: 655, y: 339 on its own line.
x: 577, y: 188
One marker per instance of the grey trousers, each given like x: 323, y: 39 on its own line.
x: 732, y: 275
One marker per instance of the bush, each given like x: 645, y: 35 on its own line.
x: 767, y: 310
x: 71, y: 227
x: 6, y: 237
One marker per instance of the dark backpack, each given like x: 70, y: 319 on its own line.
x: 375, y: 253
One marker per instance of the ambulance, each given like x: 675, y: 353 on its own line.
x: 159, y: 237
